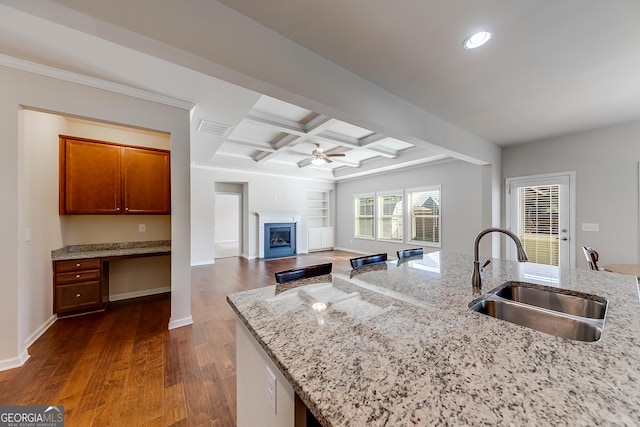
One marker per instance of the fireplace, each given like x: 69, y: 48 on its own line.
x: 279, y: 219
x: 279, y: 240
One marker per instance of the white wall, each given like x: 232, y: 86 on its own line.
x: 39, y: 192
x: 606, y: 165
x: 263, y: 192
x: 27, y: 90
x: 227, y: 217
x: 463, y: 206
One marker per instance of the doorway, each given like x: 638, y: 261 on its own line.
x: 541, y: 211
x: 227, y: 224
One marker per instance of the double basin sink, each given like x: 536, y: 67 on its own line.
x: 560, y: 312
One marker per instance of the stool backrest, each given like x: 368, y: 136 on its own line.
x: 303, y: 272
x: 368, y: 260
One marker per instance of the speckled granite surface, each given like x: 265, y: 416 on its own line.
x: 400, y: 347
x: 105, y: 250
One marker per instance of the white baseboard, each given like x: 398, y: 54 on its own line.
x: 14, y: 362
x: 178, y: 323
x: 352, y: 250
x: 196, y: 264
x: 137, y: 294
x: 41, y: 330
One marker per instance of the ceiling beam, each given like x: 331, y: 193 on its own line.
x: 277, y: 123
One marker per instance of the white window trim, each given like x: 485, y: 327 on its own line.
x: 377, y: 215
x: 407, y: 230
x: 375, y: 228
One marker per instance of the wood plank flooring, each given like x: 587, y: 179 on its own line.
x: 125, y: 368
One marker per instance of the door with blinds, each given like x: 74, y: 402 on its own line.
x: 540, y: 213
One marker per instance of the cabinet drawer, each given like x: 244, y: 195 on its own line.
x: 77, y: 277
x: 76, y: 265
x: 75, y: 297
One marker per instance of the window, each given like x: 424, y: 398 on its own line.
x: 364, y: 216
x: 390, y: 216
x: 424, y: 215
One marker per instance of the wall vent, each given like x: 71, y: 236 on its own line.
x: 217, y: 129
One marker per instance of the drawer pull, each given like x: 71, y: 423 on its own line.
x: 77, y: 276
x: 77, y: 295
x: 78, y: 265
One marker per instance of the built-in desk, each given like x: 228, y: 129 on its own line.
x: 81, y: 273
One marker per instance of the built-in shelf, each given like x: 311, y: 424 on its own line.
x: 317, y: 208
x: 318, y: 220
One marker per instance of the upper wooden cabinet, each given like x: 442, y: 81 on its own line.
x: 98, y: 177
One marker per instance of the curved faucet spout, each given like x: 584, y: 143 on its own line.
x: 476, y: 278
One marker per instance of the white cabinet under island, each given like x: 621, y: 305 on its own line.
x: 400, y: 346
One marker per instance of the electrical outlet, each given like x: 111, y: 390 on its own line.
x: 271, y: 389
x: 142, y: 228
x: 27, y: 235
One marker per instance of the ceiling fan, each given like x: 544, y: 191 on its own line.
x: 318, y: 156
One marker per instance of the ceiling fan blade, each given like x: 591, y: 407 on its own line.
x: 335, y: 155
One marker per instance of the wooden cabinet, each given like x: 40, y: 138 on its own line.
x: 79, y: 286
x: 146, y: 181
x: 98, y: 177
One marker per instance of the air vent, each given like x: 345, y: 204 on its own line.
x: 213, y: 128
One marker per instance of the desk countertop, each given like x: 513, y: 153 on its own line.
x: 400, y: 346
x: 111, y: 250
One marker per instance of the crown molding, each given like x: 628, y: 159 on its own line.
x: 69, y: 76
x: 261, y: 173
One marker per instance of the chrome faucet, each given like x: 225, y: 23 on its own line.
x: 478, y: 273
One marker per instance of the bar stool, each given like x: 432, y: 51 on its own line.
x: 592, y: 257
x: 303, y: 272
x: 406, y: 253
x: 367, y: 260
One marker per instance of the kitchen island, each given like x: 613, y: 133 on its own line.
x: 399, y: 346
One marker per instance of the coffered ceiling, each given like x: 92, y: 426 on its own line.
x: 278, y: 132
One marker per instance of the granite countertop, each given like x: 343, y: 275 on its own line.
x: 106, y: 250
x: 399, y: 346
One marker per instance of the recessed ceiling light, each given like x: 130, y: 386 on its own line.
x: 477, y: 39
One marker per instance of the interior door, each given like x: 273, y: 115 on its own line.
x: 540, y: 212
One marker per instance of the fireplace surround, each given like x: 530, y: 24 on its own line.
x: 278, y: 220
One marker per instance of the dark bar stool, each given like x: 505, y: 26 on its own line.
x: 406, y: 253
x: 592, y: 257
x: 368, y: 260
x: 303, y: 272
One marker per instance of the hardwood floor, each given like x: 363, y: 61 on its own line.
x: 124, y: 368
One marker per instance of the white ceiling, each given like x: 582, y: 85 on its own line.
x: 553, y: 67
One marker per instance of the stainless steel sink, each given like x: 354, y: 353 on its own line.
x: 561, y: 300
x: 558, y: 312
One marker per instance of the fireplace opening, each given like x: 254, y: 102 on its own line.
x: 279, y: 240
x: 280, y: 236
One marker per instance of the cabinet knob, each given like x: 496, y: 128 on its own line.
x: 126, y: 209
x: 117, y: 209
x: 77, y: 295
x: 78, y: 265
x: 77, y: 276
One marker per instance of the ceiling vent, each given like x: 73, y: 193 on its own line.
x: 213, y: 128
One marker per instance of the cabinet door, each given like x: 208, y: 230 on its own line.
x: 146, y: 181
x: 89, y: 178
x: 327, y: 237
x: 315, y: 238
